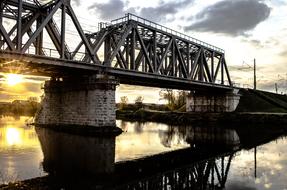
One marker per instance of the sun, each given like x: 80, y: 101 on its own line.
x: 13, y: 79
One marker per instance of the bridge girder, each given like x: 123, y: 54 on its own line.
x: 130, y: 44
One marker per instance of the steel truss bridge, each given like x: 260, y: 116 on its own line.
x: 34, y: 40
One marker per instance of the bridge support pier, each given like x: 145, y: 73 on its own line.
x: 86, y: 101
x: 209, y: 102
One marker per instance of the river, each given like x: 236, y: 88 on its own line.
x: 237, y: 164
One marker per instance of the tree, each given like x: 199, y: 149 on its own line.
x: 175, y: 100
x: 33, y: 99
x: 124, y: 102
x: 139, y: 100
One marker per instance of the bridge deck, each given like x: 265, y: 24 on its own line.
x: 42, y: 66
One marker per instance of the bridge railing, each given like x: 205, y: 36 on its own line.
x: 39, y: 3
x: 48, y: 52
x: 133, y: 17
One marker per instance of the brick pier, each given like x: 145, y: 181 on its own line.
x: 87, y: 101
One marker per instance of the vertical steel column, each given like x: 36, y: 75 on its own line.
x: 173, y: 60
x: 150, y: 52
x: 39, y: 39
x: 63, y: 31
x: 128, y: 51
x: 19, y: 26
x: 133, y: 47
x: 107, y: 51
x: 201, y: 71
x: 154, y: 51
x: 187, y: 58
x: 160, y: 58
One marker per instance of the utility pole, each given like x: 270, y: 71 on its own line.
x: 254, y: 74
x: 276, y: 88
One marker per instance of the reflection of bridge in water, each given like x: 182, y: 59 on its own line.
x: 203, y: 165
x: 210, y: 174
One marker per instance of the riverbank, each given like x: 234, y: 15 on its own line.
x: 255, y: 106
x: 185, y: 118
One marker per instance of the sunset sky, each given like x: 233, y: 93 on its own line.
x: 245, y: 29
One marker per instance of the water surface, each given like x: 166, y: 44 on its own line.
x: 261, y: 167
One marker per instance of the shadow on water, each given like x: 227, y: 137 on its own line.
x: 84, y: 161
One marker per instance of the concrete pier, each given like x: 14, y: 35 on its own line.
x: 212, y: 102
x: 87, y: 101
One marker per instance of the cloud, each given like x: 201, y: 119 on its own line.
x: 163, y: 10
x: 109, y: 10
x: 77, y: 2
x: 279, y: 2
x: 255, y: 43
x: 231, y: 17
x: 283, y: 53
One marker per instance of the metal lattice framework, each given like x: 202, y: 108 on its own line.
x: 130, y: 47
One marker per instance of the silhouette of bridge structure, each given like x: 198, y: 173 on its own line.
x: 85, y: 67
x: 34, y: 40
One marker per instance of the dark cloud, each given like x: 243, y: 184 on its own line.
x: 116, y: 8
x: 231, y: 17
x: 109, y: 10
x: 164, y: 9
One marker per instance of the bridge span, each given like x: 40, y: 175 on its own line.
x: 85, y: 67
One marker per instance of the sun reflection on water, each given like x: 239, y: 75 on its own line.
x: 13, y: 136
x: 20, y: 150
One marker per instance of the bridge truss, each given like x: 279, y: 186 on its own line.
x: 129, y: 47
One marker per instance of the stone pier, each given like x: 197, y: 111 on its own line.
x: 212, y: 102
x: 86, y: 101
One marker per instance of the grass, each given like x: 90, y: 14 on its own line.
x: 260, y: 101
